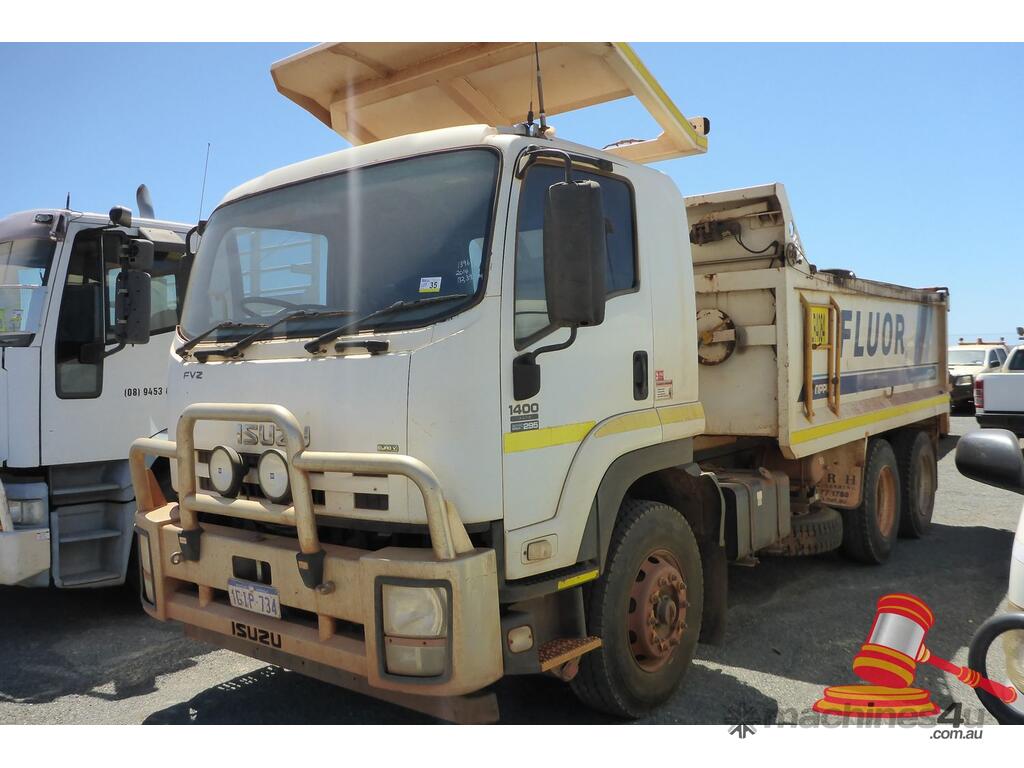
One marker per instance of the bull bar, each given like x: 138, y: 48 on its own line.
x: 475, y: 656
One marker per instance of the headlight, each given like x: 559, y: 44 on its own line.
x: 27, y: 512
x: 273, y: 475
x: 415, y: 611
x: 227, y: 470
x: 415, y: 630
x: 964, y: 381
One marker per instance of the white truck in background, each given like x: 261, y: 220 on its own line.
x: 967, y: 360
x: 78, y: 382
x: 467, y: 401
x: 999, y: 395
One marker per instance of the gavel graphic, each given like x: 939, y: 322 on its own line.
x: 895, y: 645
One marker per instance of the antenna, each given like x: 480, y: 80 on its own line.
x: 202, y: 194
x: 67, y: 202
x: 540, y: 91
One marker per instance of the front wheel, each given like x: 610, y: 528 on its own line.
x: 646, y: 608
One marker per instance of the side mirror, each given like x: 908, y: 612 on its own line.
x: 132, y: 306
x: 575, y: 253
x: 139, y: 254
x: 993, y: 457
x: 121, y: 216
x: 193, y: 238
x: 994, y: 363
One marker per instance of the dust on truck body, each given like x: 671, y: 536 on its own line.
x: 468, y: 402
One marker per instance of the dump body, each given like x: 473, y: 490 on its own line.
x: 773, y: 329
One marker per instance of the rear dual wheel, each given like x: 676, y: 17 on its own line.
x: 870, y: 530
x: 646, y: 607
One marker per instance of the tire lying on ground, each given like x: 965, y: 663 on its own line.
x: 647, y: 608
x: 915, y: 456
x: 869, y: 532
x: 817, y: 532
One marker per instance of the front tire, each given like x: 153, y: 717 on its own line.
x: 646, y: 608
x: 869, y: 532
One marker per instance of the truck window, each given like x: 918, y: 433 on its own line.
x: 351, y: 242
x: 80, y: 327
x: 1016, y: 361
x: 1001, y: 354
x: 24, y: 270
x: 163, y: 293
x: 531, y: 315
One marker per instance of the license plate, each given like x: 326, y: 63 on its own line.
x: 258, y: 598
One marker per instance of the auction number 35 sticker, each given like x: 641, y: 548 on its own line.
x: 430, y: 285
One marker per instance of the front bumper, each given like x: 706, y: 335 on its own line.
x: 330, y: 595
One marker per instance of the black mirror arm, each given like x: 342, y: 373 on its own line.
x: 526, y: 372
x: 531, y: 357
x: 113, y: 350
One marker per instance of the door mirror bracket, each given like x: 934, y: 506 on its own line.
x: 526, y: 372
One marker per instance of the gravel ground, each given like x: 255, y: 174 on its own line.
x: 794, y: 627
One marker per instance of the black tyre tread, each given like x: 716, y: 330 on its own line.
x: 904, y: 445
x: 815, y: 533
x: 594, y: 685
x: 858, y: 524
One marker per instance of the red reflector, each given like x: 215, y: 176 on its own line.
x: 979, y: 393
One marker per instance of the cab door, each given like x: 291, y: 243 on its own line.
x: 604, y: 373
x: 95, y: 399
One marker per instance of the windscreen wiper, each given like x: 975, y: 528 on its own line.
x: 316, y: 345
x: 223, y: 326
x: 233, y: 350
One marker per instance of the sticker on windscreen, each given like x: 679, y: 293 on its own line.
x: 430, y: 285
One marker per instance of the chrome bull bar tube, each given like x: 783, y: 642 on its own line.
x: 447, y: 535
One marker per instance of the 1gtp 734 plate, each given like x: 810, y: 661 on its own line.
x: 258, y: 598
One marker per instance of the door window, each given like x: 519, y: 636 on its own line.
x: 80, y: 327
x: 531, y: 315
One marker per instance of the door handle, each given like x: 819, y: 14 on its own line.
x: 640, y: 384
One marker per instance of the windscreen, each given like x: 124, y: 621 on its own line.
x: 348, y: 244
x: 967, y: 357
x: 24, y: 270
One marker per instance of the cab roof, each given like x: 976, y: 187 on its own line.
x: 372, y: 91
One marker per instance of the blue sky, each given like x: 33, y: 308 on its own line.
x: 902, y: 162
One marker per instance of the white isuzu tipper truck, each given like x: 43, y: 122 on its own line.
x: 466, y: 401
x: 78, y: 383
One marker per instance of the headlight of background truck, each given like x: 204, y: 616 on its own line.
x: 27, y: 511
x: 964, y: 381
x: 415, y: 629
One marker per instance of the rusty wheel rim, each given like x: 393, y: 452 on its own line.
x: 885, y: 501
x: 657, y: 610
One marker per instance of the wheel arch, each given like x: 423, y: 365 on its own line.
x: 666, y: 473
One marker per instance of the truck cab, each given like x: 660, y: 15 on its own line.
x: 77, y: 385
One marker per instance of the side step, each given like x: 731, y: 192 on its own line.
x: 561, y: 656
x: 89, y: 577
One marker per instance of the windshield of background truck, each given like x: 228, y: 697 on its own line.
x: 966, y: 357
x: 351, y: 242
x: 24, y: 270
